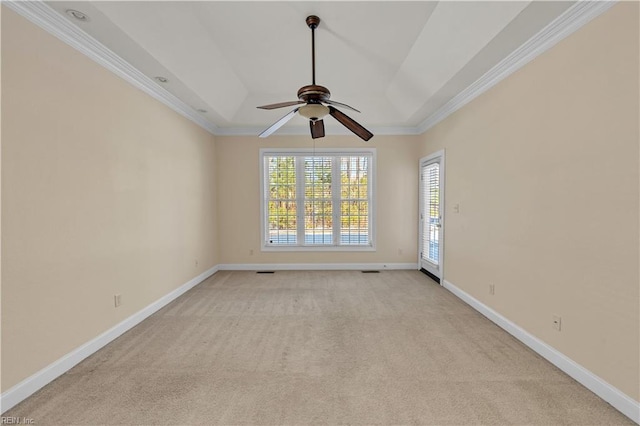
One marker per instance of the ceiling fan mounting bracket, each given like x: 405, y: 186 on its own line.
x: 313, y: 21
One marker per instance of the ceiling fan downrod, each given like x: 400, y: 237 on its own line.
x: 312, y: 22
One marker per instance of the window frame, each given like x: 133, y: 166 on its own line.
x: 299, y: 153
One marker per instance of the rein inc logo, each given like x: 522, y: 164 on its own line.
x: 16, y: 421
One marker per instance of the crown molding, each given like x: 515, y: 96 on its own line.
x: 567, y: 23
x: 564, y: 25
x: 51, y: 21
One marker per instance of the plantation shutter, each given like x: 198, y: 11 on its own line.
x: 318, y: 199
x: 281, y: 190
x: 430, y: 176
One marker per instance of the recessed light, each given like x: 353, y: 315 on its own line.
x: 162, y: 79
x: 76, y: 14
x: 202, y: 110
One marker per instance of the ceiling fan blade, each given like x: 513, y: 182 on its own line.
x: 275, y: 126
x: 340, y: 104
x: 350, y: 124
x: 281, y: 105
x: 317, y: 129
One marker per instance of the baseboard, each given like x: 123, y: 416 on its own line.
x: 30, y: 385
x: 618, y: 399
x: 314, y: 266
x: 604, y: 390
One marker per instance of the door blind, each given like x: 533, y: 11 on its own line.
x: 430, y: 176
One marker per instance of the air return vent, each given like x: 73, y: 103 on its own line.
x: 265, y: 272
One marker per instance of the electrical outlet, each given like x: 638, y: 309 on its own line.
x: 456, y: 208
x: 557, y: 322
x: 117, y: 300
x: 492, y: 289
x: 250, y: 252
x: 196, y: 263
x: 400, y: 252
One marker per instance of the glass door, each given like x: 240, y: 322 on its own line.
x: 431, y: 198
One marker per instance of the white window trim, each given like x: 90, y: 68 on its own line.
x: 318, y: 151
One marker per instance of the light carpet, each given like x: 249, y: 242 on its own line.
x: 316, y: 347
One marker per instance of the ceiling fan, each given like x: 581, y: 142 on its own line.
x: 316, y: 102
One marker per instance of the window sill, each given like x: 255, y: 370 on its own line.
x: 319, y: 248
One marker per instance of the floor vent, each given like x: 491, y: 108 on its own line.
x: 265, y: 272
x: 370, y: 272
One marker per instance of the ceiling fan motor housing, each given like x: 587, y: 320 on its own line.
x: 313, y: 93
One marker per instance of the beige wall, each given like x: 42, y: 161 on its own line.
x: 1, y: 8
x: 104, y: 191
x: 545, y: 169
x: 239, y: 199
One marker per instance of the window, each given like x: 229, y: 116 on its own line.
x: 317, y: 200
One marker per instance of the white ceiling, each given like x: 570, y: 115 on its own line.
x: 397, y: 62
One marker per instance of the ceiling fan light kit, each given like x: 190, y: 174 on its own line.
x: 316, y: 102
x: 314, y: 111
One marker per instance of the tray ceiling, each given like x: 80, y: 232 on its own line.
x: 400, y: 63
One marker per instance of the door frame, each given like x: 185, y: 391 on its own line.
x: 423, y: 161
